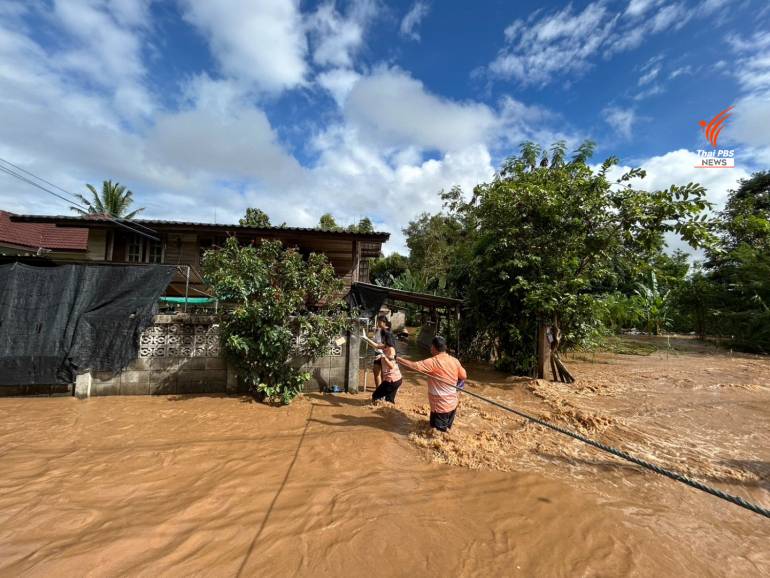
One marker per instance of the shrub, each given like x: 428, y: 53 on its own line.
x: 281, y: 310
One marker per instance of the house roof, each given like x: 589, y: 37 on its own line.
x: 101, y: 220
x: 32, y: 235
x: 424, y: 299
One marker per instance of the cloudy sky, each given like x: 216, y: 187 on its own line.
x: 365, y: 107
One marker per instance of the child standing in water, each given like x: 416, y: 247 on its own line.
x: 391, y: 374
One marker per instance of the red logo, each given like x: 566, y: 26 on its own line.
x: 713, y: 128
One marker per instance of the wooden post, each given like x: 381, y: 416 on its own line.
x: 356, y: 260
x: 543, y: 351
x: 458, y: 332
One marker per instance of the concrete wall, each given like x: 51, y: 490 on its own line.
x: 181, y: 354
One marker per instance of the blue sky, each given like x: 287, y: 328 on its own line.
x: 364, y: 107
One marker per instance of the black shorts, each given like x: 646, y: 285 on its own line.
x: 387, y: 390
x: 442, y: 421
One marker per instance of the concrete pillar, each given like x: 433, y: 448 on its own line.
x: 231, y: 386
x: 83, y: 385
x: 352, y: 353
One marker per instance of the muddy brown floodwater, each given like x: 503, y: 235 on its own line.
x: 333, y: 486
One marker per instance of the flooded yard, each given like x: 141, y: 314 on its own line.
x: 333, y: 486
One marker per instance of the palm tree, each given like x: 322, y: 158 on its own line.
x: 114, y: 201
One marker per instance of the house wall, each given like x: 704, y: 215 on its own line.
x: 184, y: 249
x: 97, y: 245
x: 180, y: 354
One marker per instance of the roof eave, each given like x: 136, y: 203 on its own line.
x: 78, y: 222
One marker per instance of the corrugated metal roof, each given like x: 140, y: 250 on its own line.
x: 45, y: 235
x: 73, y: 221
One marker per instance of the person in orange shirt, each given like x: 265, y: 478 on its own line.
x: 443, y: 370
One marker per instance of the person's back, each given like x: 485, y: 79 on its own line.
x: 444, y: 373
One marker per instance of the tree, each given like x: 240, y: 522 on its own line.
x: 546, y: 242
x: 738, y: 269
x: 746, y: 218
x: 327, y: 223
x: 114, y: 201
x: 384, y: 269
x: 433, y: 241
x: 255, y: 218
x: 653, y: 305
x: 363, y: 226
x: 283, y: 311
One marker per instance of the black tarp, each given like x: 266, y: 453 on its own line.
x: 58, y: 320
x: 366, y: 300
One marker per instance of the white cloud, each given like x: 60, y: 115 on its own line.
x: 650, y: 75
x: 261, y: 43
x: 562, y: 42
x: 751, y: 115
x: 753, y: 67
x: 620, y: 119
x: 337, y: 38
x: 106, y: 48
x: 551, y: 45
x: 638, y: 8
x: 392, y: 109
x: 392, y: 145
x: 412, y: 19
x: 238, y: 145
x: 682, y: 70
x: 352, y: 176
x: 338, y: 82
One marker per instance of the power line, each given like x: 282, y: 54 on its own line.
x: 27, y: 180
x: 70, y: 194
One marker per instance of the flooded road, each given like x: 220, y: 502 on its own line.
x: 332, y: 486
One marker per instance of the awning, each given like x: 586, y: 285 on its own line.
x: 368, y: 297
x: 189, y: 300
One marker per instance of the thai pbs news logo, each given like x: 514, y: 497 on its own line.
x: 715, y: 158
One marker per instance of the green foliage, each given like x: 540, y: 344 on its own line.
x: 652, y: 305
x: 617, y: 311
x: 114, y: 200
x: 281, y: 310
x: 382, y: 270
x: 729, y: 297
x: 255, y: 218
x: 408, y: 281
x: 365, y: 225
x: 542, y: 242
x: 746, y: 218
x: 434, y: 242
x: 327, y: 222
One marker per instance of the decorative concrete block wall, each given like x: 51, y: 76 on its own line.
x: 177, y: 354
x: 181, y: 354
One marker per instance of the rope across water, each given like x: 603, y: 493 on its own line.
x: 737, y: 500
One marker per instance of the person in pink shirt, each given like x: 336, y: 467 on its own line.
x: 391, y: 374
x: 443, y: 371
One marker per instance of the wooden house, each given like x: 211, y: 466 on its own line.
x: 183, y: 243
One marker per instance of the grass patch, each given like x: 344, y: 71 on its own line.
x: 622, y: 345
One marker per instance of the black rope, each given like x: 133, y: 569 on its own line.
x: 737, y: 500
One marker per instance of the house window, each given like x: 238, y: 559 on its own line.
x: 154, y: 252
x: 142, y: 250
x: 363, y: 271
x: 135, y: 247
